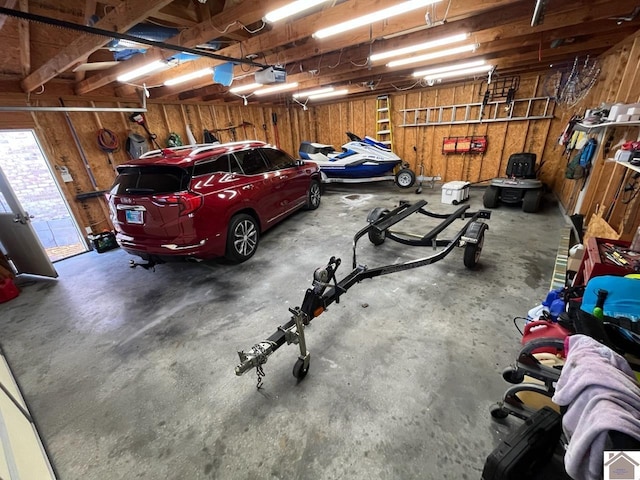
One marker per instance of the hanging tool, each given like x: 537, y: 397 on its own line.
x: 140, y: 120
x: 232, y: 129
x: 419, y: 189
x: 274, y: 120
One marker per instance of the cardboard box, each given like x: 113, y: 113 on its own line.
x: 573, y: 265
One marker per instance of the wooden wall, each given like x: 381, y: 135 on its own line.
x: 227, y: 122
x: 328, y: 123
x: 504, y: 138
x: 600, y: 199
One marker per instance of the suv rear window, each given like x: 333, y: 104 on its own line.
x: 150, y: 180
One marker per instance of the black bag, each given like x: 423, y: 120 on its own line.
x: 526, y: 450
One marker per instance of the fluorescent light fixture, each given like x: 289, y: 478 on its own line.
x: 276, y: 89
x: 143, y: 70
x: 384, y: 14
x: 418, y: 47
x: 460, y: 73
x: 189, y: 76
x: 310, y: 93
x: 129, y: 44
x: 431, y: 56
x: 291, y: 9
x: 448, y: 68
x: 335, y: 93
x: 245, y: 88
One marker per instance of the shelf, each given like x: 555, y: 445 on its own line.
x: 599, y: 126
x: 627, y: 164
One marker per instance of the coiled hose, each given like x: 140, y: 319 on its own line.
x: 108, y: 141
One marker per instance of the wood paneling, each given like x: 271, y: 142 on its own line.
x: 327, y: 123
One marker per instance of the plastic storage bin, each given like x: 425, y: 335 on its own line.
x: 455, y: 192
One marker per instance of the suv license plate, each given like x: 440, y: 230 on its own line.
x: 133, y: 216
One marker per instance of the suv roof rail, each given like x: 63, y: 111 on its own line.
x: 205, y: 147
x: 199, y: 148
x: 176, y: 149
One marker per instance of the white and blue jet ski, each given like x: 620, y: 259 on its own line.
x: 360, y: 160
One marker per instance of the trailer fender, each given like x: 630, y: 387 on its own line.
x: 474, y: 232
x: 376, y: 214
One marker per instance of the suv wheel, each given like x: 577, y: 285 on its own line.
x: 242, y: 238
x: 313, y: 195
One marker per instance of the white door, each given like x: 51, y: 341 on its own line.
x: 17, y: 236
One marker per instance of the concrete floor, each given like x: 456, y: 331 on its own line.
x: 130, y: 373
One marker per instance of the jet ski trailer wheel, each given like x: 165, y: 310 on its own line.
x: 326, y: 289
x: 405, y: 178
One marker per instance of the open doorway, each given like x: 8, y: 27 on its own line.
x: 31, y: 178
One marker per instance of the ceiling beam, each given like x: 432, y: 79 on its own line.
x: 89, y: 11
x: 177, y: 14
x: 7, y: 4
x: 504, y: 53
x: 25, y: 40
x: 486, y: 26
x: 249, y: 11
x: 120, y: 19
x: 298, y: 34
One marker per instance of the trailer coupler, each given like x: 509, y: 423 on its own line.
x: 291, y: 332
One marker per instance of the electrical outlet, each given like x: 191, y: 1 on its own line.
x: 66, y: 176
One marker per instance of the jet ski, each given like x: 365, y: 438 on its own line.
x: 361, y: 160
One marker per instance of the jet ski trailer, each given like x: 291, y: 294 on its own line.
x: 326, y: 289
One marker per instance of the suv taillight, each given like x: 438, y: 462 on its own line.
x: 187, y: 202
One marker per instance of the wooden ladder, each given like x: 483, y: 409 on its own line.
x: 384, y: 132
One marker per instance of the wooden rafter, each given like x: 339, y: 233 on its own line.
x: 231, y: 19
x: 299, y: 31
x: 501, y: 28
x: 25, y: 43
x: 89, y: 11
x: 7, y: 4
x: 124, y: 16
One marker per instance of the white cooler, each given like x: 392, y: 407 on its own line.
x: 455, y: 192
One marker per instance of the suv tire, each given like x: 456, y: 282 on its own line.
x: 313, y: 195
x: 243, y: 236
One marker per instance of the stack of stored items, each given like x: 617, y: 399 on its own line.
x: 8, y: 289
x: 583, y: 364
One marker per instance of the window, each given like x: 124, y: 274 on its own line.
x: 251, y: 162
x: 212, y: 165
x: 150, y: 180
x: 277, y: 159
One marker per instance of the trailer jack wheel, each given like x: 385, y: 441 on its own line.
x: 472, y: 253
x: 377, y: 237
x: 299, y: 369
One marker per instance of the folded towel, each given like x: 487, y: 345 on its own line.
x: 599, y: 389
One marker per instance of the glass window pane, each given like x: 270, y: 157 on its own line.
x: 277, y: 158
x: 251, y: 162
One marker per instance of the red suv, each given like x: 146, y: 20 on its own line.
x: 207, y: 201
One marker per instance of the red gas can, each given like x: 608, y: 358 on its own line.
x: 8, y: 290
x: 543, y: 329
